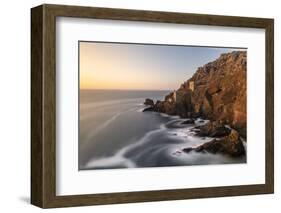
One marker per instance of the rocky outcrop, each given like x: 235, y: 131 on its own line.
x: 189, y: 121
x: 212, y: 129
x: 230, y: 144
x: 217, y: 91
x: 148, y: 102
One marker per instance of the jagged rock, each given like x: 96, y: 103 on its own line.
x: 189, y: 121
x: 188, y: 149
x: 158, y: 107
x: 148, y: 102
x: 220, y: 90
x: 212, y: 129
x: 231, y: 145
x: 165, y: 106
x: 217, y: 91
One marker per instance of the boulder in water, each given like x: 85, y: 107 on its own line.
x: 148, y: 102
x: 231, y: 145
x: 189, y: 121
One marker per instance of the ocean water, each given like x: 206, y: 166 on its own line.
x: 114, y: 132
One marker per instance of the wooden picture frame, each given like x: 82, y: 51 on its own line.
x: 43, y: 105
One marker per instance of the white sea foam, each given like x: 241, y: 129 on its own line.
x: 107, y: 122
x: 244, y: 143
x: 200, y: 122
x: 141, y: 109
x: 161, y: 146
x: 115, y: 160
x: 118, y: 158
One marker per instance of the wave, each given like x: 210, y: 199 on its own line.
x: 156, y: 145
x: 162, y: 146
x: 107, y: 122
x: 116, y: 161
x: 119, y: 158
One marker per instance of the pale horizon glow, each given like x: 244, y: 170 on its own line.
x: 124, y: 66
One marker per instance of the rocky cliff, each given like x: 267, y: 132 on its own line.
x: 217, y: 92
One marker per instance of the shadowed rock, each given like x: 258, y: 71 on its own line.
x: 212, y: 129
x: 189, y: 121
x: 148, y: 102
x: 231, y: 145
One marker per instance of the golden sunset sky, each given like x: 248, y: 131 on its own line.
x: 140, y: 67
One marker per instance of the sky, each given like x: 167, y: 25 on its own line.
x: 126, y: 66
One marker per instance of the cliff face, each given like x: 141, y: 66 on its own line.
x: 217, y: 91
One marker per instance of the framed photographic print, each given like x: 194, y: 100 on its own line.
x: 136, y: 106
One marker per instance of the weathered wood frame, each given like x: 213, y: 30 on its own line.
x: 43, y: 105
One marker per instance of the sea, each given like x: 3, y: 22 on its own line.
x: 115, y: 133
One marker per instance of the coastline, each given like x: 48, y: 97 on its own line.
x: 217, y: 92
x: 201, y: 123
x: 163, y: 147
